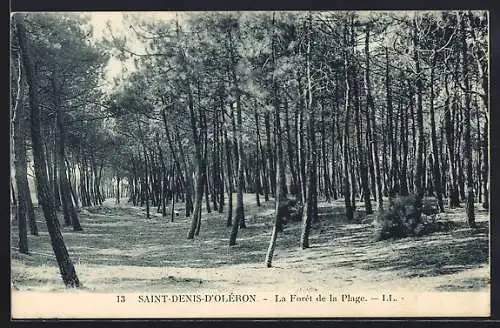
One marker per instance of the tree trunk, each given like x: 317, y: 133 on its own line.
x: 66, y: 267
x: 146, y: 171
x: 482, y: 65
x: 172, y: 188
x: 453, y: 199
x: 31, y: 213
x: 240, y: 215
x: 262, y: 159
x: 217, y: 189
x: 203, y: 169
x: 272, y: 173
x: 349, y: 211
x: 239, y: 220
x: 393, y: 174
x: 164, y: 180
x: 419, y: 175
x: 309, y: 211
x: 206, y: 174
x: 280, y: 207
x: 199, y: 167
x: 185, y: 182
x: 469, y: 198
x: 291, y: 156
x: 324, y: 157
x: 69, y: 210
x: 21, y: 173
x: 72, y: 182
x: 485, y: 167
x: 229, y: 220
x: 436, y: 170
x: 302, y: 145
x: 259, y: 166
x: 371, y: 141
x: 55, y: 173
x: 404, y: 143
x: 334, y: 132
x: 118, y: 195
x: 359, y: 137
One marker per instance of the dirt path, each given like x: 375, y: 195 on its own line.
x: 120, y: 249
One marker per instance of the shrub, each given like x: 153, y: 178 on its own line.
x: 404, y: 218
x: 399, y: 220
x: 430, y: 206
x: 430, y: 224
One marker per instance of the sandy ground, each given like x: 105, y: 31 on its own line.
x: 120, y: 249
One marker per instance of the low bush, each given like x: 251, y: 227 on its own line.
x: 430, y: 206
x: 404, y: 218
x: 399, y: 220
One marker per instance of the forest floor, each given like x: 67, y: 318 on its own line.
x: 121, y: 250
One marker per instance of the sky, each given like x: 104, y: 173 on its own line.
x: 99, y: 21
x: 119, y: 27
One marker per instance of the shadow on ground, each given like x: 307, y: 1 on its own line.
x: 121, y: 235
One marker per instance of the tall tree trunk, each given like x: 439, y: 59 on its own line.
x: 302, y: 145
x: 309, y: 211
x: 185, y: 182
x: 482, y: 65
x: 164, y: 180
x: 262, y: 159
x: 66, y: 267
x: 291, y: 156
x: 334, y: 132
x: 436, y: 170
x: 420, y: 173
x: 469, y: 198
x: 280, y: 207
x: 172, y: 188
x: 485, y: 166
x: 393, y: 174
x: 21, y: 173
x: 453, y: 199
x: 199, y: 168
x: 479, y: 157
x: 146, y: 170
x: 260, y: 166
x: 207, y: 189
x: 324, y: 156
x: 349, y: 211
x: 203, y: 134
x: 72, y: 182
x: 31, y: 213
x: 459, y: 147
x: 413, y: 186
x: 221, y: 172
x: 118, y: 194
x: 404, y: 141
x: 55, y: 175
x: 269, y: 147
x: 216, y: 165
x: 239, y: 220
x: 69, y: 210
x: 371, y: 141
x: 230, y: 187
x: 359, y: 137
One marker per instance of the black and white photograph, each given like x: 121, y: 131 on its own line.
x: 250, y: 164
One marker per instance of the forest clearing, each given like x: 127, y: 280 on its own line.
x: 272, y: 151
x: 123, y: 251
